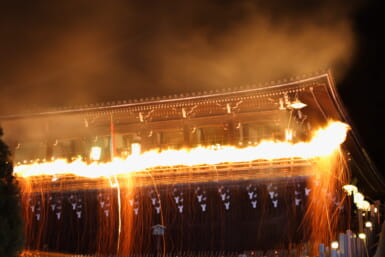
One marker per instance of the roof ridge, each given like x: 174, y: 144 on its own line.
x: 267, y: 85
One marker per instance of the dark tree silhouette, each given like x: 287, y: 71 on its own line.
x: 11, y: 223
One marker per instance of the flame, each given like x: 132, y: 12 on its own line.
x: 323, y: 143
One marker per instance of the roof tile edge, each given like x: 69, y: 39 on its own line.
x: 117, y: 104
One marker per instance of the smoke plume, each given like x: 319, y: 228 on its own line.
x: 63, y: 54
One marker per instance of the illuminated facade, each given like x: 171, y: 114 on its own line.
x: 257, y: 204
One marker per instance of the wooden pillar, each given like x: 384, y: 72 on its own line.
x: 229, y: 132
x: 49, y: 142
x: 186, y: 135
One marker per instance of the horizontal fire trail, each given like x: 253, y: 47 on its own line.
x: 323, y: 143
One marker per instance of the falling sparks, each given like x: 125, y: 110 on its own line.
x: 323, y: 147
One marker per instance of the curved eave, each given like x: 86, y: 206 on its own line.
x: 370, y: 180
x: 170, y: 99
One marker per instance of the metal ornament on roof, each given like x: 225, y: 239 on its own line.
x: 298, y: 194
x: 224, y: 193
x: 56, y: 206
x: 35, y: 206
x: 155, y: 200
x: 252, y: 195
x: 178, y: 198
x: 273, y: 194
x: 104, y: 203
x: 133, y: 200
x: 76, y: 204
x: 201, y: 198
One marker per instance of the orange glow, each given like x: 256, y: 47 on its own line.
x: 322, y: 215
x: 323, y: 146
x: 323, y: 143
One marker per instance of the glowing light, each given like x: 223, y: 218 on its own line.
x: 368, y: 224
x: 334, y: 245
x: 350, y: 189
x: 363, y: 205
x: 96, y: 153
x: 297, y: 104
x: 135, y: 149
x: 362, y: 236
x: 324, y: 142
x: 358, y: 197
x: 288, y: 134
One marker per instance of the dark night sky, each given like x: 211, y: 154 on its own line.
x: 79, y: 52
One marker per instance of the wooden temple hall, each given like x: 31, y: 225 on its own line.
x: 252, y: 206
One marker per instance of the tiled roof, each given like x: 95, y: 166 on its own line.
x: 262, y: 89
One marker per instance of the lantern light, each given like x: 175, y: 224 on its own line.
x: 297, y: 104
x: 358, y: 197
x: 96, y: 153
x: 350, y: 189
x: 135, y: 149
x: 362, y: 236
x: 334, y: 245
x: 363, y: 205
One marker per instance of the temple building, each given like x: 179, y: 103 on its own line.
x: 161, y: 174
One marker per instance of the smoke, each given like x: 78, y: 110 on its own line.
x: 256, y: 51
x: 66, y: 54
